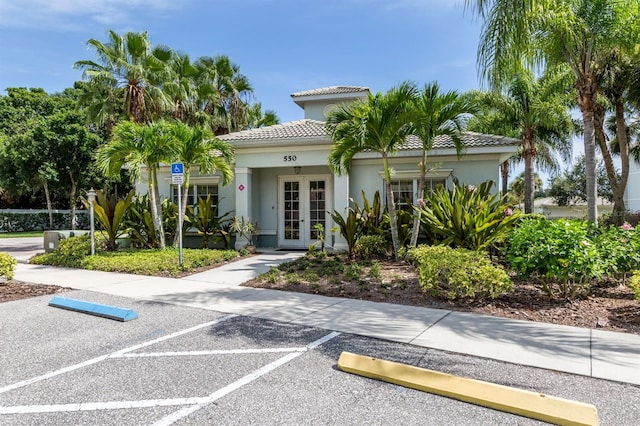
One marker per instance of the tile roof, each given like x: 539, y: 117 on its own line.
x: 314, y: 131
x: 299, y: 129
x: 331, y: 90
x: 469, y: 140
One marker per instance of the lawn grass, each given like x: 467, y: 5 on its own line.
x: 21, y: 234
x: 143, y: 262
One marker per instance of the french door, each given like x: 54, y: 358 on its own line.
x: 303, y: 203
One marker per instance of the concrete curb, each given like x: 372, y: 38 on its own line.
x: 517, y: 401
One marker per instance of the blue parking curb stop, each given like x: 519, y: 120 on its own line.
x: 106, y: 311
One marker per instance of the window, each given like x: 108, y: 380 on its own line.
x: 404, y: 190
x: 200, y: 191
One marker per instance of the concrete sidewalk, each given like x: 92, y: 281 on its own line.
x: 595, y: 353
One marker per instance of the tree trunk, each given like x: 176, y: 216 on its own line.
x: 47, y: 196
x: 529, y: 154
x: 612, y: 174
x: 619, y: 207
x: 587, y: 92
x: 415, y: 231
x: 156, y: 214
x: 391, y: 205
x: 590, y: 165
x: 72, y: 201
x: 504, y: 172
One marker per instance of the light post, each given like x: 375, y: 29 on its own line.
x: 91, y: 197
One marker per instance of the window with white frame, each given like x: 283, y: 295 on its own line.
x: 404, y: 185
x: 404, y: 190
x: 197, y: 190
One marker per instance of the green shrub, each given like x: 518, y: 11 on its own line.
x: 619, y: 248
x: 7, y: 265
x: 468, y: 216
x: 453, y: 273
x: 634, y: 283
x: 562, y: 250
x: 70, y: 252
x: 353, y: 272
x: 374, y: 271
x: 369, y: 246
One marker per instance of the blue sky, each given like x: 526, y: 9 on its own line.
x: 282, y: 46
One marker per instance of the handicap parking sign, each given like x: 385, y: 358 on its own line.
x: 177, y: 168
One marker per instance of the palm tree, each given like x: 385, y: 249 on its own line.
x: 196, y: 147
x: 180, y: 85
x: 574, y: 33
x: 135, y: 145
x: 538, y: 109
x: 222, y: 93
x: 379, y: 124
x: 129, y: 63
x: 437, y: 114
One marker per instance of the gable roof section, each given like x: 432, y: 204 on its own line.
x: 331, y: 90
x: 329, y: 94
x: 286, y: 133
x: 313, y: 132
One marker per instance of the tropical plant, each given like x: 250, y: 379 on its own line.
x: 379, y: 124
x: 375, y: 221
x: 571, y: 33
x: 128, y: 67
x: 209, y: 224
x: 196, y: 147
x: 350, y: 228
x: 437, y: 114
x: 538, y: 109
x: 111, y: 212
x: 244, y: 229
x: 136, y: 146
x: 468, y: 216
x: 140, y: 223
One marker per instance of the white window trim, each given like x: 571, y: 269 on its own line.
x: 415, y: 174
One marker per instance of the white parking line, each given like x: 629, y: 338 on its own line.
x: 212, y: 352
x: 112, y: 355
x: 172, y: 418
x: 193, y: 404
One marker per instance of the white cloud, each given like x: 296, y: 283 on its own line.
x: 72, y: 15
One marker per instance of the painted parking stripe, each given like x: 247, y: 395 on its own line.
x: 193, y: 404
x: 172, y: 418
x: 212, y: 352
x: 112, y: 355
x: 96, y: 406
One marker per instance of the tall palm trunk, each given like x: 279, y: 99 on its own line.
x: 619, y: 208
x: 618, y: 183
x: 416, y: 212
x: 587, y: 93
x: 156, y: 213
x: 504, y: 173
x: 529, y: 154
x: 590, y: 165
x: 391, y: 205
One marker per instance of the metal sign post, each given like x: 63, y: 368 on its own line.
x: 177, y: 177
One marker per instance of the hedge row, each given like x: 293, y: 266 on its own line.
x: 17, y: 222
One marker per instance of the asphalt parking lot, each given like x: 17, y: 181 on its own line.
x: 185, y: 366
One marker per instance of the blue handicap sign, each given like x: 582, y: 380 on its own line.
x: 177, y: 168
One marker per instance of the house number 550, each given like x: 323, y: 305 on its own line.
x: 289, y: 158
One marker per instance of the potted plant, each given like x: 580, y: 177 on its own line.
x: 245, y: 229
